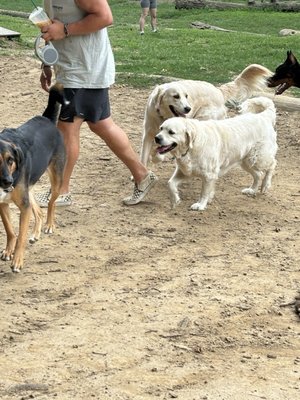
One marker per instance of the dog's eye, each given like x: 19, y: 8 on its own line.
x: 171, y: 132
x: 10, y: 161
x: 176, y: 96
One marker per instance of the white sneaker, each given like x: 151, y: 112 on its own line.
x: 141, y: 190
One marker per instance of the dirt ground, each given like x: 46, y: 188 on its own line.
x: 149, y: 302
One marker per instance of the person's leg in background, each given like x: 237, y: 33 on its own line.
x: 153, y: 16
x: 145, y: 11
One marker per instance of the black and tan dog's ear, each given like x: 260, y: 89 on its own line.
x: 291, y: 58
x: 18, y: 155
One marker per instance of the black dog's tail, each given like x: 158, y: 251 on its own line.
x: 55, y: 100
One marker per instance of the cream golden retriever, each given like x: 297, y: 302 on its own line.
x: 196, y: 99
x: 211, y: 148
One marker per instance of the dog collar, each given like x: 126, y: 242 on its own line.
x: 183, y: 155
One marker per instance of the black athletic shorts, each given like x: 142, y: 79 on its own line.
x: 89, y: 104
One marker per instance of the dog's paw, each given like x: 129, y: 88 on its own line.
x: 6, y: 256
x: 265, y: 188
x: 249, y: 192
x: 33, y: 239
x: 174, y: 199
x: 49, y: 230
x: 16, y: 269
x: 175, y: 203
x: 198, y: 207
x: 17, y: 263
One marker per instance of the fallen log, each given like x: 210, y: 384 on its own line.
x: 202, y: 25
x: 283, y: 102
x: 11, y: 13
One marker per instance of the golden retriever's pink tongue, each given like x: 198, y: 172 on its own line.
x: 162, y: 149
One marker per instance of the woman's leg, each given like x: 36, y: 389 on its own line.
x: 117, y: 140
x: 71, y: 136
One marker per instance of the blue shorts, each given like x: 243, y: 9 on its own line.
x: 148, y: 4
x: 91, y: 105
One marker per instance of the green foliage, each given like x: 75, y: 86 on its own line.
x: 178, y: 50
x: 19, y: 5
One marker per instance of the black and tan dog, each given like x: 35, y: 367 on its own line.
x: 26, y: 153
x: 286, y: 74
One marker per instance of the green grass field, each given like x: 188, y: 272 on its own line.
x: 178, y: 50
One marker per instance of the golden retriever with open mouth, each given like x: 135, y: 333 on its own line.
x: 211, y: 148
x: 196, y: 99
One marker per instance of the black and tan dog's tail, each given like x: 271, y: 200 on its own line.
x: 55, y: 101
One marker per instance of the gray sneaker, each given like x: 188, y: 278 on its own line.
x: 141, y: 190
x: 42, y: 199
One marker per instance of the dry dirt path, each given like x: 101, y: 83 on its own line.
x: 148, y: 302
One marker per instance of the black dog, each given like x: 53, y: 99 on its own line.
x: 56, y: 99
x: 25, y: 154
x: 286, y: 74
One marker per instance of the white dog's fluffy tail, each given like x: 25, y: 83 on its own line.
x: 252, y: 79
x: 258, y: 105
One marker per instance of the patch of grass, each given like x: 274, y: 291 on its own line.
x: 19, y: 45
x: 19, y: 5
x: 180, y: 51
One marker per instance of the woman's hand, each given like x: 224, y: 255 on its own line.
x: 55, y: 31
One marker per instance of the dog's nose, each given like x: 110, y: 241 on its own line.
x: 157, y: 139
x: 187, y: 110
x: 6, y: 182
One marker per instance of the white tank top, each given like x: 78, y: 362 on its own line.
x: 85, y: 61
